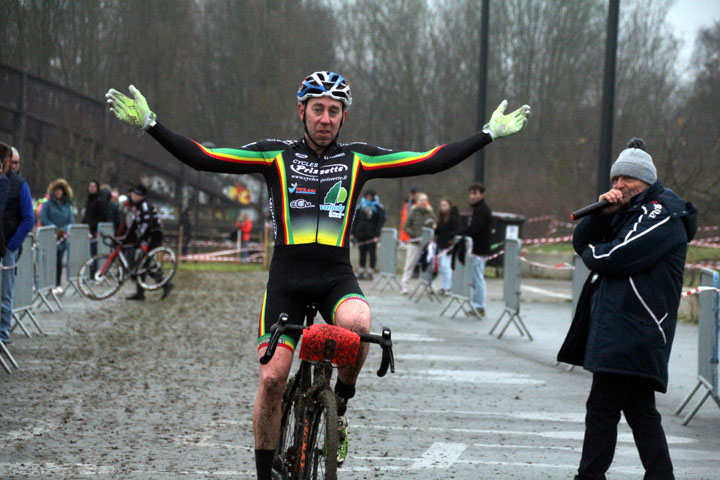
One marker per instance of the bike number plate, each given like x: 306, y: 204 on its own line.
x: 328, y: 342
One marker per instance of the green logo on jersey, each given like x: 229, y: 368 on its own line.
x: 334, y: 199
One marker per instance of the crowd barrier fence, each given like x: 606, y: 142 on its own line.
x: 387, y: 259
x: 461, y: 285
x: 424, y: 286
x: 707, y: 345
x: 78, y: 251
x: 45, y: 267
x: 104, y: 228
x: 511, y: 286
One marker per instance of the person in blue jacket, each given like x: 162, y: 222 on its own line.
x: 58, y: 212
x: 635, y: 249
x: 18, y: 220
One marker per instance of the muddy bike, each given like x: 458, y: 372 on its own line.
x: 308, y: 443
x: 101, y: 276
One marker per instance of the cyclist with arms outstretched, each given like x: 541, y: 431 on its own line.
x: 313, y: 186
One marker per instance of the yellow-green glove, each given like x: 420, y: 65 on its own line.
x: 501, y: 125
x: 134, y: 111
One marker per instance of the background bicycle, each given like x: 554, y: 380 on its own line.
x: 101, y: 276
x: 308, y: 443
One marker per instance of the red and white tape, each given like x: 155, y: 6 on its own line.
x: 557, y: 266
x: 533, y: 241
x: 697, y: 290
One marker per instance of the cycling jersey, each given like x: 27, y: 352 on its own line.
x: 312, y: 198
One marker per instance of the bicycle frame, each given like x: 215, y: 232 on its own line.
x: 118, y: 252
x: 312, y: 381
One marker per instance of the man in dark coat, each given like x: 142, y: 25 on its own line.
x: 635, y: 249
x: 479, y: 231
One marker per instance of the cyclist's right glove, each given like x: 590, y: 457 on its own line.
x: 133, y: 111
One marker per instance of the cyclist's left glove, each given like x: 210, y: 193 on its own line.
x: 133, y: 111
x: 501, y: 125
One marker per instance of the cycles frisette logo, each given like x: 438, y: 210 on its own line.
x: 334, y: 199
x: 309, y: 169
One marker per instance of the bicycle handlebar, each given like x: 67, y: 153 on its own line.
x: 384, y: 340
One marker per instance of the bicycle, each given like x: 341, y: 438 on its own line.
x: 102, y: 275
x: 308, y: 442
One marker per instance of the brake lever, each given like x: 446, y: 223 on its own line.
x: 276, y: 330
x: 388, y: 359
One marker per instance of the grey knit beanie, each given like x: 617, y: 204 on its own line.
x: 635, y: 162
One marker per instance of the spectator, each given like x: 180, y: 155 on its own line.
x: 58, y: 212
x: 479, y: 231
x: 15, y: 161
x: 96, y: 211
x: 145, y: 231
x: 187, y: 229
x: 447, y: 226
x: 111, y: 203
x: 636, y: 250
x: 366, y: 227
x: 420, y: 216
x: 17, y: 221
x: 7, y: 154
x: 407, y: 206
x: 244, y: 227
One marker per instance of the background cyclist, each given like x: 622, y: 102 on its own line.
x: 313, y: 186
x: 145, y: 231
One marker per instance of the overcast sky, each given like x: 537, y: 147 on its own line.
x: 688, y: 16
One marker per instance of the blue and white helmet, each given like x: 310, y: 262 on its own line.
x: 325, y: 84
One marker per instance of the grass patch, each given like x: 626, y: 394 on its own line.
x: 220, y: 267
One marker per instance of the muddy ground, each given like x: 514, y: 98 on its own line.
x: 116, y: 384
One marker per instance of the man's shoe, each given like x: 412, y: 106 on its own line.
x: 481, y: 311
x: 166, y: 290
x: 342, y: 440
x: 136, y: 296
x: 369, y: 276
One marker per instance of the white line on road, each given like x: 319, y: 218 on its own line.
x: 571, y: 417
x: 474, y: 376
x: 567, y: 435
x: 547, y: 293
x: 440, y: 358
x: 439, y: 455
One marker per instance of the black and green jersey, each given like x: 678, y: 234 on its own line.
x: 312, y: 199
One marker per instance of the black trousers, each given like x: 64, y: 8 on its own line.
x: 368, y: 250
x: 635, y: 398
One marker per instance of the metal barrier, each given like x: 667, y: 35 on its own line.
x: 78, y: 252
x: 23, y: 294
x: 46, y: 264
x: 461, y: 286
x: 707, y: 345
x: 511, y: 285
x: 424, y: 285
x: 107, y: 228
x: 387, y: 258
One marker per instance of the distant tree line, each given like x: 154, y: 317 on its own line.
x: 226, y: 71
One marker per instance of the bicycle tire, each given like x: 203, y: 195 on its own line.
x: 156, y: 268
x: 284, y: 461
x: 100, y: 286
x: 323, y: 438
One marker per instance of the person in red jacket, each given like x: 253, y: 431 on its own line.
x: 244, y: 227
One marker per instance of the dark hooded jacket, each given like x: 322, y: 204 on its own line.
x: 96, y: 210
x: 638, y: 255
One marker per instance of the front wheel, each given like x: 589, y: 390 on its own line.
x: 322, y: 447
x: 101, y: 276
x: 156, y: 268
x: 286, y: 460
